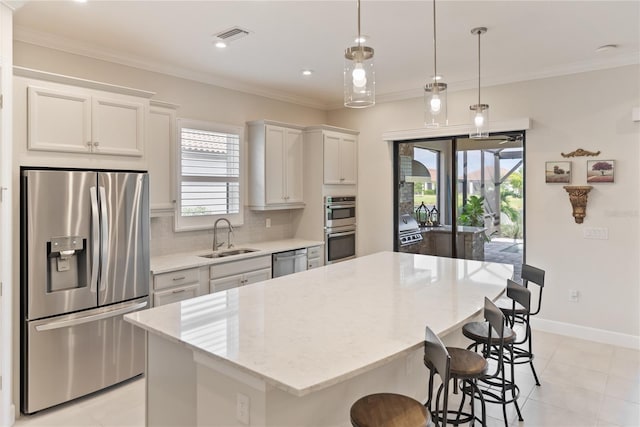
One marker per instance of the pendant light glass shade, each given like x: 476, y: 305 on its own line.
x: 435, y: 92
x: 359, y: 73
x: 435, y: 104
x: 479, y: 112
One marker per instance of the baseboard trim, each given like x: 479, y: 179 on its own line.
x: 586, y: 333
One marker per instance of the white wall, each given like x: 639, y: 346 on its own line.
x: 588, y: 110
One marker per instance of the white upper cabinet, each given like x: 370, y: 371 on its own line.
x: 161, y: 146
x: 340, y: 158
x: 78, y: 120
x: 275, y: 166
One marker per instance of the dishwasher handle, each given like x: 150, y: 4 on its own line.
x: 277, y: 257
x: 288, y: 255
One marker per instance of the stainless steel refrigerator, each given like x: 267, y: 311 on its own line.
x: 84, y: 264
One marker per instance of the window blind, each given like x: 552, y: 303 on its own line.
x: 210, y: 172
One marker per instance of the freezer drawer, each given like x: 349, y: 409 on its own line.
x: 73, y: 355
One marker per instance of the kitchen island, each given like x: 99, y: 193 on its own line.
x: 300, y: 349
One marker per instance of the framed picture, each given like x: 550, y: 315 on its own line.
x: 600, y: 171
x: 557, y: 172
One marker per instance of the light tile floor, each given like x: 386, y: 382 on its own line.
x: 583, y: 384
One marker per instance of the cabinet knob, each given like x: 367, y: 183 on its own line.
x: 89, y: 143
x: 96, y: 143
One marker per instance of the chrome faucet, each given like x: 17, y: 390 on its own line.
x: 216, y: 245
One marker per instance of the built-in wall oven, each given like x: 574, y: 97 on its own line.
x: 339, y: 228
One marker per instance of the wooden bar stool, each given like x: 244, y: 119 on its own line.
x: 457, y: 364
x: 497, y: 343
x: 389, y: 410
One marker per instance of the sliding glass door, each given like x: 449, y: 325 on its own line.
x: 466, y: 195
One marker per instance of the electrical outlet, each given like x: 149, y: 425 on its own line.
x: 574, y: 295
x: 242, y: 408
x: 268, y: 223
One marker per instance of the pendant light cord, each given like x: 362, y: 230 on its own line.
x: 435, y: 56
x: 479, y: 34
x: 359, y: 37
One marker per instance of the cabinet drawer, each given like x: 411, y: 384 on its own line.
x: 176, y: 278
x: 315, y: 252
x: 175, y: 295
x: 314, y: 263
x: 240, y: 266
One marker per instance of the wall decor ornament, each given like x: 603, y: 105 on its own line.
x: 578, y: 197
x: 557, y: 172
x: 600, y: 171
x: 581, y: 153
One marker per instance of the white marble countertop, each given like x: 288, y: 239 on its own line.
x: 180, y: 261
x: 306, y: 331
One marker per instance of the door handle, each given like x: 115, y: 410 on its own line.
x: 90, y: 318
x: 95, y: 239
x: 104, y: 241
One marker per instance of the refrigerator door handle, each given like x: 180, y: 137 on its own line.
x: 95, y: 237
x: 91, y: 318
x: 104, y: 239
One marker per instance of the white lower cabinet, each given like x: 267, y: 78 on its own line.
x: 175, y: 295
x: 232, y: 274
x: 315, y: 257
x: 175, y: 286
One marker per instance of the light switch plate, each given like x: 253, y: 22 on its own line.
x: 596, y: 233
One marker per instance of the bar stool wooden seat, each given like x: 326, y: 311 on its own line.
x: 457, y: 364
x: 389, y: 410
x: 497, y: 342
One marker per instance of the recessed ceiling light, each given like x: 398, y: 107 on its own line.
x: 606, y: 47
x: 307, y: 72
x: 221, y: 44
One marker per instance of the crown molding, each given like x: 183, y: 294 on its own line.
x: 91, y: 84
x: 71, y: 46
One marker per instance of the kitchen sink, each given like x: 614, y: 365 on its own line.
x: 230, y: 252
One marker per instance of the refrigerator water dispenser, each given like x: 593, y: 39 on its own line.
x: 67, y: 266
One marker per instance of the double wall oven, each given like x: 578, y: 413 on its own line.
x: 339, y: 228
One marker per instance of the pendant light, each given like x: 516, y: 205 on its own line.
x: 479, y: 111
x: 435, y: 93
x: 359, y: 73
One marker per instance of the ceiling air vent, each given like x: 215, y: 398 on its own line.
x: 231, y: 34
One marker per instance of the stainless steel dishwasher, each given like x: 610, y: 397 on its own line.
x: 288, y: 262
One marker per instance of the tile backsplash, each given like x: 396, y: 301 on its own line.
x: 165, y: 241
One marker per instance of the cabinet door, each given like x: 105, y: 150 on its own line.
x: 48, y: 109
x: 274, y: 167
x: 160, y: 159
x: 348, y: 160
x: 293, y: 155
x: 224, y: 283
x: 332, y: 159
x: 118, y: 126
x: 257, y: 276
x: 175, y: 295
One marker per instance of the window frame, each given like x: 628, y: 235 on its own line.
x: 205, y: 222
